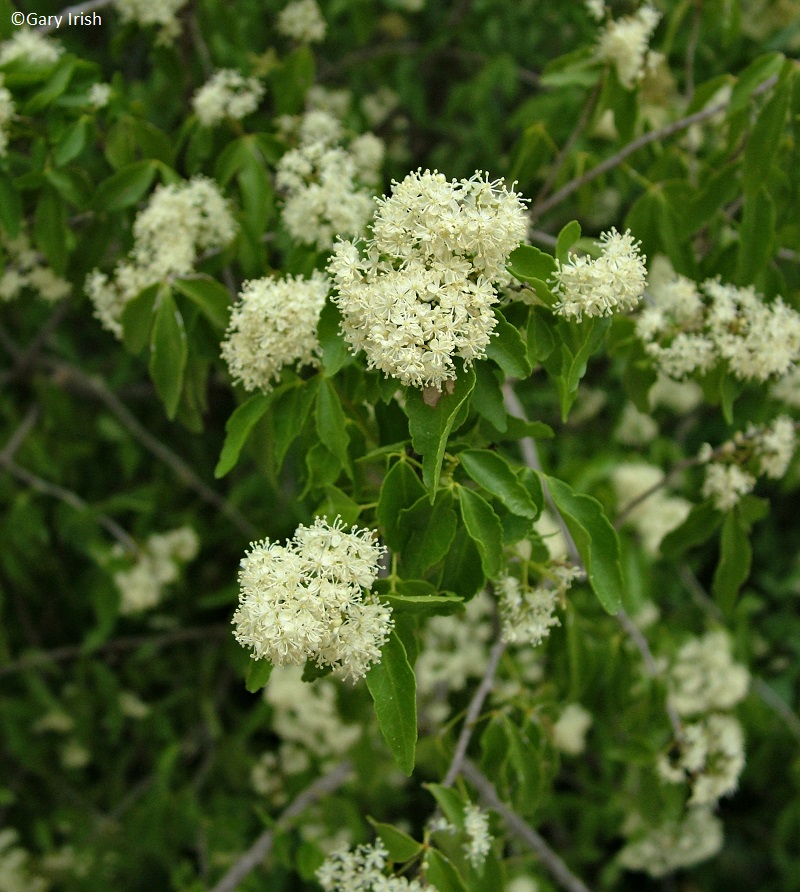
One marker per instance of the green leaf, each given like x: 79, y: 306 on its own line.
x: 50, y: 228
x: 734, y: 561
x: 462, y: 572
x: 168, y: 351
x: 57, y: 84
x: 137, y: 319
x: 338, y: 504
x: 540, y: 340
x: 484, y: 526
x: 698, y: 527
x: 528, y: 264
x: 210, y: 296
x: 423, y: 605
x: 427, y: 532
x: 766, y: 135
x: 449, y: 802
x: 237, y: 430
x: 441, y: 873
x: 430, y: 426
x: 507, y: 349
x: 258, y: 673
x: 125, y: 187
x: 71, y: 143
x: 566, y: 239
x: 257, y: 194
x: 332, y: 422
x: 394, y: 692
x: 494, y: 474
x: 292, y: 80
x: 756, y: 236
x: 487, y: 398
x: 335, y: 354
x: 10, y: 206
x: 72, y: 184
x: 400, y: 489
x: 755, y: 73
x: 596, y: 539
x: 400, y: 846
x: 231, y: 159
x: 288, y: 417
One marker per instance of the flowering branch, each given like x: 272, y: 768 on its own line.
x: 626, y: 151
x: 551, y: 861
x: 473, y: 713
x: 263, y: 845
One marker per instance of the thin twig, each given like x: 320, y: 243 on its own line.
x: 583, y: 120
x: 550, y: 860
x: 544, y: 238
x: 263, y: 845
x: 78, y: 9
x: 69, y: 498
x: 626, y: 151
x: 16, y: 439
x: 73, y: 378
x: 473, y: 712
x: 130, y: 642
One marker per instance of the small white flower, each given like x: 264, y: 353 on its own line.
x: 31, y: 47
x: 274, y: 324
x: 704, y: 676
x: 227, y: 94
x: 624, y: 42
x: 302, y: 21
x: 163, y: 13
x: 725, y: 484
x: 614, y: 282
x: 99, y: 94
x: 775, y: 446
x: 569, y: 732
x: 479, y: 840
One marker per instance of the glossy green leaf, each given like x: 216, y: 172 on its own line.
x: 393, y: 688
x: 10, y: 206
x: 494, y: 474
x: 765, y: 136
x: 699, y: 527
x: 400, y: 489
x: 335, y: 353
x: 735, y: 557
x: 424, y: 605
x: 540, y: 339
x: 756, y: 236
x: 442, y: 874
x: 50, y: 229
x: 596, y: 540
x: 237, y: 430
x: 331, y: 421
x: 125, y: 187
x: 756, y: 73
x: 449, y: 801
x: 168, y: 351
x: 288, y: 417
x: 487, y: 397
x: 400, y: 846
x: 462, y: 571
x: 566, y: 239
x: 484, y: 526
x: 507, y: 349
x: 211, y: 297
x: 427, y: 530
x: 137, y: 319
x: 529, y: 264
x: 258, y: 673
x: 430, y: 426
x: 71, y: 143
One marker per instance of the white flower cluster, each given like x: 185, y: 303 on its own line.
x: 527, y: 613
x: 25, y: 268
x: 711, y: 758
x: 304, y: 600
x: 765, y: 450
x: 655, y: 516
x: 635, y: 428
x: 99, y: 94
x: 163, y: 13
x: 569, y: 731
x: 274, y: 324
x: 302, y: 20
x: 15, y: 872
x: 328, y: 180
x: 690, y: 329
x: 787, y: 389
x: 625, y: 43
x: 364, y: 870
x: 680, y: 397
x: 612, y: 283
x: 596, y: 9
x: 454, y: 649
x: 423, y: 292
x: 157, y: 565
x: 704, y: 677
x: 227, y: 94
x: 179, y: 222
x: 31, y: 47
x: 479, y: 841
x: 7, y: 115
x: 674, y: 845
